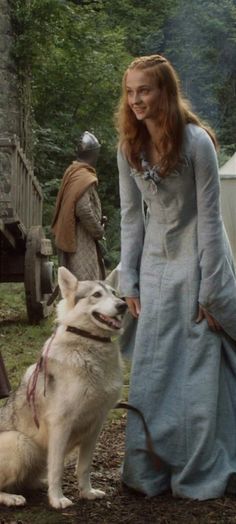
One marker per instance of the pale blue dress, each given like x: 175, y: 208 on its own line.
x: 183, y: 374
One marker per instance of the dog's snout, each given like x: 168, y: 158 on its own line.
x: 121, y: 308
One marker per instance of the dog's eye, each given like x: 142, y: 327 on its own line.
x: 114, y: 293
x: 97, y: 294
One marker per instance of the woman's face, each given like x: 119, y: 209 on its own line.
x: 142, y: 94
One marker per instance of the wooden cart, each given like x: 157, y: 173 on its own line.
x: 24, y: 250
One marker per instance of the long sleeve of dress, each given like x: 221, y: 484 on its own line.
x: 218, y: 283
x: 132, y: 229
x: 89, y: 215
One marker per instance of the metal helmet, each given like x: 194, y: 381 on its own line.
x: 88, y: 148
x: 88, y: 142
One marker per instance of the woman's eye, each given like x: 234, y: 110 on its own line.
x: 97, y: 294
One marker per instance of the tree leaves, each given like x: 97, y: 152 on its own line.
x: 74, y: 53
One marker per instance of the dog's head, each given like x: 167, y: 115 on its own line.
x: 90, y: 305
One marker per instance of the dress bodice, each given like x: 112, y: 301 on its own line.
x: 169, y: 197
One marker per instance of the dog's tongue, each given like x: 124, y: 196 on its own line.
x: 112, y: 321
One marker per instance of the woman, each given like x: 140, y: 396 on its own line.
x: 179, y: 282
x: 78, y: 222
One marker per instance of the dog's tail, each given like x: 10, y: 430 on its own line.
x: 157, y: 461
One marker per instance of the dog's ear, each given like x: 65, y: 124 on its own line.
x: 68, y: 283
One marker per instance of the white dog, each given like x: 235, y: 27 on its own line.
x: 64, y: 399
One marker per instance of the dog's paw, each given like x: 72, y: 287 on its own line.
x: 9, y: 499
x: 60, y: 503
x: 92, y: 494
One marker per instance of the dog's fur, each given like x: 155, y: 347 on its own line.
x: 79, y: 380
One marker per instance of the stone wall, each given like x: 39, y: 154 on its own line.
x: 10, y: 113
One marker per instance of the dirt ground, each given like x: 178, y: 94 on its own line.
x: 119, y: 506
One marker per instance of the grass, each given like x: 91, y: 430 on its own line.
x: 20, y: 342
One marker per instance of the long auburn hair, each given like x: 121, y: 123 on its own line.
x: 174, y: 113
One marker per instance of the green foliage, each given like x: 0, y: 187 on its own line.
x: 142, y: 22
x: 203, y: 51
x: 74, y: 54
x: 75, y: 58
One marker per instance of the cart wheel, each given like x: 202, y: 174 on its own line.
x: 39, y: 275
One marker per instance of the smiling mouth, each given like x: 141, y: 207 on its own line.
x: 139, y: 112
x: 112, y: 322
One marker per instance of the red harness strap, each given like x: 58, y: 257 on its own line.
x: 32, y: 382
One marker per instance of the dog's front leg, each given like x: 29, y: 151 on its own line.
x: 58, y: 439
x: 84, y: 462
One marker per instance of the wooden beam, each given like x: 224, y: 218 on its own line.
x: 9, y: 237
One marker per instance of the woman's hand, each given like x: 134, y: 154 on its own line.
x: 133, y: 304
x: 212, y: 322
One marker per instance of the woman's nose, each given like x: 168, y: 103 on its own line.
x: 136, y: 98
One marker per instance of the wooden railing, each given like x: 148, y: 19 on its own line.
x: 23, y: 198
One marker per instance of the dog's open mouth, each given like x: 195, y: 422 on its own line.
x: 112, y: 322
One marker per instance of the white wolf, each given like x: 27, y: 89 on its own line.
x: 63, y: 400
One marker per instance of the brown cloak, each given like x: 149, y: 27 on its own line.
x: 77, y: 178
